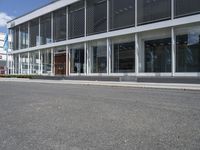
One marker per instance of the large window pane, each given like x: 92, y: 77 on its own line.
x: 15, y: 36
x: 123, y: 55
x: 34, y: 62
x: 96, y: 16
x: 59, y: 24
x: 45, y: 29
x: 76, y: 20
x: 188, y: 49
x: 186, y: 7
x: 158, y: 55
x: 24, y: 36
x: 153, y: 10
x: 77, y: 59
x: 46, y: 61
x: 122, y: 13
x: 16, y: 63
x: 34, y: 33
x: 98, y: 53
x: 24, y: 63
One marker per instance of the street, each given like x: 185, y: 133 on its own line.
x: 43, y: 116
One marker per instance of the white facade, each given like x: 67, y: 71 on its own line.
x: 140, y: 33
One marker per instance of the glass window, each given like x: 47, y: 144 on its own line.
x: 24, y: 36
x: 45, y: 29
x: 76, y: 20
x: 155, y: 51
x: 77, y: 59
x: 123, y: 55
x: 186, y: 7
x: 153, y: 10
x: 34, y: 33
x: 59, y: 25
x: 46, y: 61
x: 15, y: 36
x: 96, y: 16
x: 24, y: 63
x: 122, y: 13
x: 34, y: 62
x: 158, y: 55
x: 98, y: 53
x: 16, y: 63
x: 188, y: 49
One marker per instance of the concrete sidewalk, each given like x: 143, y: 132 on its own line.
x: 107, y: 83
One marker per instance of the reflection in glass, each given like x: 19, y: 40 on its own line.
x: 59, y: 25
x: 158, y: 55
x: 34, y: 33
x: 97, y: 20
x: 16, y: 63
x: 46, y: 61
x: 186, y: 7
x: 77, y: 59
x: 24, y: 63
x: 45, y: 29
x: 98, y: 57
x: 76, y: 20
x: 153, y: 10
x: 24, y: 36
x: 34, y: 62
x: 15, y: 36
x: 188, y: 52
x: 122, y: 13
x: 123, y: 57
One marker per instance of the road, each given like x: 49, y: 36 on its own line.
x: 42, y: 116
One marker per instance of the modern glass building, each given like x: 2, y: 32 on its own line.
x: 109, y: 38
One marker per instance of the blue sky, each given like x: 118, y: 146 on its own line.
x: 15, y: 8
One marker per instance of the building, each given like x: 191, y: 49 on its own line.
x: 109, y: 38
x: 3, y: 55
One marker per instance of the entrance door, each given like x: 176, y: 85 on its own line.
x: 60, y: 64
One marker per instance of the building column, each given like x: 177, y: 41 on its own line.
x: 108, y: 57
x: 67, y: 61
x: 85, y: 59
x: 40, y: 70
x: 136, y: 55
x: 52, y: 63
x: 28, y: 63
x: 173, y: 51
x: 19, y: 64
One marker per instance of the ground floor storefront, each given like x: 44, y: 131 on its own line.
x: 164, y: 52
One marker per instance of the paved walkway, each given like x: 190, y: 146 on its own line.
x: 177, y: 86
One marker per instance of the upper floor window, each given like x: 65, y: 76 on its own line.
x: 96, y: 16
x: 24, y: 36
x: 122, y: 13
x: 34, y: 32
x: 153, y: 10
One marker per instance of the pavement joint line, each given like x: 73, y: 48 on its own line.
x: 178, y: 86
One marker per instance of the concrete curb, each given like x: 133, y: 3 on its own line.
x: 174, y: 86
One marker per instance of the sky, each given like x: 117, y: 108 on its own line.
x: 10, y: 9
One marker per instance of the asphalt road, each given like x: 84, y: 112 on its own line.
x: 35, y: 116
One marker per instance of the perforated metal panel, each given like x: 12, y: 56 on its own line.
x: 45, y: 29
x: 153, y: 10
x: 34, y: 32
x: 96, y: 16
x: 186, y: 7
x: 122, y: 13
x: 59, y: 25
x: 76, y: 20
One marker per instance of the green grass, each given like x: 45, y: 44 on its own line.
x: 17, y: 76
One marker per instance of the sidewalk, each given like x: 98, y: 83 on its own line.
x: 177, y: 86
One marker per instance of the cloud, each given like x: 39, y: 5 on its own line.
x: 4, y: 18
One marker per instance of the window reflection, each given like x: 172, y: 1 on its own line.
x: 153, y: 10
x: 34, y: 33
x: 158, y: 55
x: 188, y: 52
x: 122, y: 13
x: 97, y: 20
